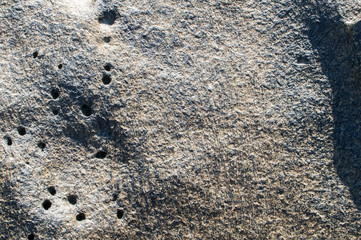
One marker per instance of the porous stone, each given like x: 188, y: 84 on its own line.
x: 189, y: 119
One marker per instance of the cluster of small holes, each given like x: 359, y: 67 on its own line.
x: 106, y: 77
x: 87, y: 111
x: 72, y: 199
x: 47, y: 203
x: 55, y: 93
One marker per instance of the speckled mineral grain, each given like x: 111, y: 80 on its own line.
x: 187, y: 119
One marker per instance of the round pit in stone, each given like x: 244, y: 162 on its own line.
x: 55, y: 93
x: 46, y: 204
x: 72, y: 199
x: 31, y: 237
x: 80, y: 217
x: 52, y: 190
x: 107, y: 67
x: 86, y: 110
x: 21, y: 131
x: 42, y: 145
x: 106, y: 79
x: 101, y: 154
x: 8, y: 140
x: 120, y: 213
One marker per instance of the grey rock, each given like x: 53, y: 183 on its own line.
x: 180, y: 119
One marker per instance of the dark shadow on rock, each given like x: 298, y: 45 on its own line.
x: 15, y: 219
x: 338, y: 47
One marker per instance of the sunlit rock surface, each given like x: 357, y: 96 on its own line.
x: 180, y: 119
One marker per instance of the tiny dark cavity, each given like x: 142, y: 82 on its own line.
x: 60, y: 66
x: 108, y: 17
x: 42, y: 145
x: 87, y: 111
x: 115, y: 197
x: 107, y: 39
x: 52, y: 190
x: 120, y: 213
x: 101, y: 154
x: 54, y: 93
x: 35, y: 54
x: 80, y: 217
x: 72, y: 199
x: 21, y: 131
x: 31, y: 236
x: 55, y: 112
x: 106, y: 79
x: 9, y: 141
x: 302, y: 60
x: 280, y: 191
x: 46, y: 204
x: 107, y: 67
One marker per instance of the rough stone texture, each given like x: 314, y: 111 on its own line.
x: 189, y: 119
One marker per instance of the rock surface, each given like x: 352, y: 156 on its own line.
x: 190, y: 119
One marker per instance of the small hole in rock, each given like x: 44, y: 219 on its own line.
x: 35, y: 54
x: 106, y: 79
x: 80, y: 217
x: 72, y: 199
x: 101, y: 154
x: 54, y: 93
x: 115, y: 197
x: 52, y: 190
x: 108, y: 17
x: 55, y: 112
x: 46, y: 204
x: 60, y: 66
x: 280, y: 191
x: 87, y: 111
x: 107, y: 39
x: 120, y: 214
x: 31, y: 236
x: 21, y: 131
x: 9, y: 141
x: 42, y: 145
x: 107, y: 67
